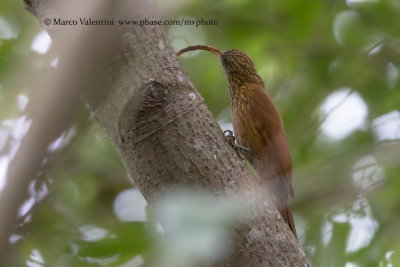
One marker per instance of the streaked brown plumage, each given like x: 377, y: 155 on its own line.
x: 258, y: 126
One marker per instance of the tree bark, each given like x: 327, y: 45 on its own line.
x: 166, y: 136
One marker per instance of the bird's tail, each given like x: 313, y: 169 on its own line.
x: 286, y: 213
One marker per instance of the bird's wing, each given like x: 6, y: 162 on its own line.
x: 269, y: 125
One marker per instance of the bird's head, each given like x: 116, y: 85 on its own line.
x: 237, y: 65
x: 239, y: 68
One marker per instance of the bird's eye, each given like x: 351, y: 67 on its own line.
x: 228, y: 64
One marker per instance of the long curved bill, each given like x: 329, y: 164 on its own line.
x: 200, y: 47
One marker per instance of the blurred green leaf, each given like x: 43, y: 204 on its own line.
x: 127, y: 241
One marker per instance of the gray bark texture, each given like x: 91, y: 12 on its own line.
x: 166, y: 136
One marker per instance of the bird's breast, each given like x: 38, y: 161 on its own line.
x: 243, y: 126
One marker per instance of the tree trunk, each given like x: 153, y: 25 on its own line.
x: 166, y: 136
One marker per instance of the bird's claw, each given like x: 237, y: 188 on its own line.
x: 243, y: 152
x: 230, y: 137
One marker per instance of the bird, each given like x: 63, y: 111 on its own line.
x: 258, y: 126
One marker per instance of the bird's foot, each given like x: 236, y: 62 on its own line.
x: 243, y: 152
